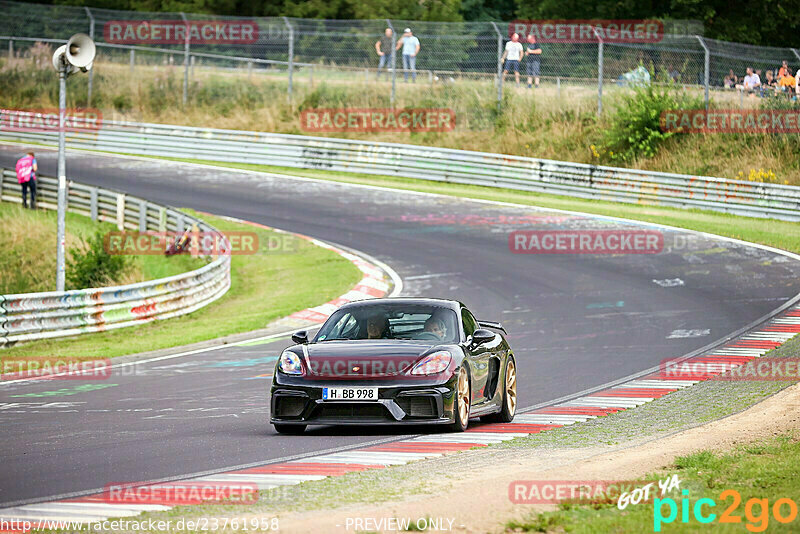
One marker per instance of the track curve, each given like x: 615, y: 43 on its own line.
x: 575, y: 321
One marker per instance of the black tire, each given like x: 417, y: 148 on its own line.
x: 509, y: 407
x: 461, y: 422
x: 289, y: 429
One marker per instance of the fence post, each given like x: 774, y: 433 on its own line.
x: 291, y: 54
x: 142, y: 215
x: 394, y: 73
x: 121, y: 211
x: 10, y: 48
x: 91, y: 71
x: 186, y: 60
x: 93, y: 203
x: 249, y: 69
x: 311, y: 75
x: 599, y: 71
x: 133, y: 59
x: 706, y: 67
x: 499, y: 67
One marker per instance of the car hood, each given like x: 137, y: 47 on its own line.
x: 362, y: 359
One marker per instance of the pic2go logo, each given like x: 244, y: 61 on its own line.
x: 783, y: 510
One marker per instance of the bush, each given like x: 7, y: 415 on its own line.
x: 635, y: 129
x: 90, y: 265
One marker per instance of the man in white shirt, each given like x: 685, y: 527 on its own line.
x: 752, y: 82
x: 512, y: 56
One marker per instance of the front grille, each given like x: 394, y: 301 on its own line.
x: 418, y: 405
x: 286, y: 406
x: 352, y: 410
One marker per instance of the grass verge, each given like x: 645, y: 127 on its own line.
x: 28, y: 237
x: 263, y: 288
x: 761, y: 474
x: 781, y: 234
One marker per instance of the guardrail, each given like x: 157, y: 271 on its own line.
x: 581, y: 180
x: 30, y: 316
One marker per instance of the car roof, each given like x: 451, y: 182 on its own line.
x: 423, y: 301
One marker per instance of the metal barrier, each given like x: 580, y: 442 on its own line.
x: 581, y: 180
x: 51, y: 314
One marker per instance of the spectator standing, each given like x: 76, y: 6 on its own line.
x: 512, y: 56
x: 26, y: 177
x: 383, y: 47
x: 533, y: 53
x: 411, y: 48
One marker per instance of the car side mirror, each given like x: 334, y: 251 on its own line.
x: 481, y: 336
x: 300, y: 337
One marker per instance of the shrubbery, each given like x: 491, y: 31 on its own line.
x: 635, y: 129
x: 90, y: 265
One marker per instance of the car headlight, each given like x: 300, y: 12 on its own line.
x: 433, y: 363
x: 289, y: 363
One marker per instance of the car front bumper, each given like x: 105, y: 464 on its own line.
x: 298, y: 401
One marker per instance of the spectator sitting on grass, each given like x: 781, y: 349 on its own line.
x: 787, y: 83
x: 769, y: 81
x: 784, y: 70
x: 752, y: 82
x: 730, y: 80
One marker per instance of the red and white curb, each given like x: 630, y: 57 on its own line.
x: 634, y: 393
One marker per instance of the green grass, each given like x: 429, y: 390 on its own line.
x: 28, y: 263
x: 764, y: 470
x: 264, y: 287
x: 781, y: 234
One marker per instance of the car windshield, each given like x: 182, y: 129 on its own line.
x: 395, y: 320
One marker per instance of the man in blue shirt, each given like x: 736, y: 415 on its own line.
x: 411, y: 47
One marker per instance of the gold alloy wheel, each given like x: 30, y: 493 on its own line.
x: 463, y: 396
x: 511, y: 387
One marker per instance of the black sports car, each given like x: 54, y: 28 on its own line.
x: 396, y: 361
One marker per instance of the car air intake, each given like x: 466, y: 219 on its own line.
x: 289, y: 406
x: 418, y: 406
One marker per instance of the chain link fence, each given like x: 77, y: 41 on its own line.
x: 455, y: 59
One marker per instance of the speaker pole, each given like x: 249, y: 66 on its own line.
x: 62, y: 176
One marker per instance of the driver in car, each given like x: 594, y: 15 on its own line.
x: 435, y: 325
x: 377, y: 327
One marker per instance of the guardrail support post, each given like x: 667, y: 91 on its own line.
x: 499, y: 67
x: 91, y: 71
x: 162, y: 219
x: 291, y: 55
x: 120, y: 211
x: 186, y: 60
x: 180, y: 222
x: 2, y: 176
x: 394, y: 70
x: 706, y: 66
x: 93, y: 203
x: 142, y: 215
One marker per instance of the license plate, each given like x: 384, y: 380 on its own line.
x: 349, y: 394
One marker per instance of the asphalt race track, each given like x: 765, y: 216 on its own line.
x: 574, y: 321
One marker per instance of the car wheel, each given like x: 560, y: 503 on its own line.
x: 509, y: 407
x: 462, y: 403
x: 289, y: 429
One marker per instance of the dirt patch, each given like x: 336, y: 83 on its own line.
x: 478, y: 501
